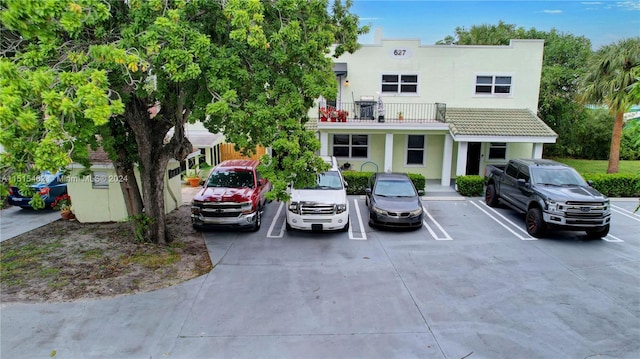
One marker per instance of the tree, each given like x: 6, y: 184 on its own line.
x: 609, y: 81
x: 248, y: 68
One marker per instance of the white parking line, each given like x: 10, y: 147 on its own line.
x: 527, y: 238
x: 364, y: 234
x: 612, y: 239
x: 273, y: 223
x: 626, y: 213
x: 447, y: 237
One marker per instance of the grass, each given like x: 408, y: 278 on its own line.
x: 596, y: 166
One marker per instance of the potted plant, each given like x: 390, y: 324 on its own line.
x: 63, y: 204
x: 400, y: 116
x: 192, y: 176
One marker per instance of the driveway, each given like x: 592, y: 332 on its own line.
x: 470, y: 284
x: 15, y: 221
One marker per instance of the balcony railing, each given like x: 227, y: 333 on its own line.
x: 367, y: 111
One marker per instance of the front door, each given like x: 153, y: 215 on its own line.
x: 473, y: 158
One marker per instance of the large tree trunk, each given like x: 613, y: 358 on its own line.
x: 614, y: 151
x: 154, y: 154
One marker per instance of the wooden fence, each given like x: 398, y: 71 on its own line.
x: 227, y: 152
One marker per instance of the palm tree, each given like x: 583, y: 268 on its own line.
x: 609, y: 78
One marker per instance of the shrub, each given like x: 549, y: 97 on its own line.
x: 470, y: 186
x: 615, y: 184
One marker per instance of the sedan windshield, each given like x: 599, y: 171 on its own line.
x: 555, y: 176
x: 390, y: 188
x: 231, y: 179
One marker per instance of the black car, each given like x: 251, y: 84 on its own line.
x: 393, y: 201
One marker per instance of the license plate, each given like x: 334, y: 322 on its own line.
x: 316, y: 227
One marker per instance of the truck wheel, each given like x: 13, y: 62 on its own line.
x: 598, y: 233
x: 258, y: 222
x: 490, y: 196
x: 534, y: 222
x: 288, y: 226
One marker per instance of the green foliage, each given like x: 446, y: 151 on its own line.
x: 630, y: 146
x: 470, y: 186
x: 616, y: 184
x: 419, y: 181
x: 357, y: 181
x: 141, y: 224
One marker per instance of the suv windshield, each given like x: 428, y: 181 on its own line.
x: 328, y: 180
x: 231, y: 179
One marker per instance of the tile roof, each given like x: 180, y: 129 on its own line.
x: 496, y: 122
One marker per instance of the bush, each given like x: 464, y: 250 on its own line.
x: 470, y: 186
x: 615, y: 184
x: 357, y: 181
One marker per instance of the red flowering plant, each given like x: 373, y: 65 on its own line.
x: 62, y: 203
x: 332, y: 114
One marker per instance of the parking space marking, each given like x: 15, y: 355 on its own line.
x: 446, y: 237
x: 626, y: 213
x: 612, y: 239
x: 362, y: 231
x: 527, y: 238
x: 273, y: 223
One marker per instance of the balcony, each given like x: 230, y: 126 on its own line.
x: 367, y: 112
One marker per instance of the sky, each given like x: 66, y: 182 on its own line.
x: 603, y: 22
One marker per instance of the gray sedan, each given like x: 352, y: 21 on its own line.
x: 393, y: 201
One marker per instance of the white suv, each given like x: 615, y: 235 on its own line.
x: 323, y: 206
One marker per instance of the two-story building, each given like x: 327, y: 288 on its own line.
x: 439, y: 110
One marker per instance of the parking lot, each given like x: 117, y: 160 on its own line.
x: 469, y: 284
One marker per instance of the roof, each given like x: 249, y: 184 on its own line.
x: 496, y: 122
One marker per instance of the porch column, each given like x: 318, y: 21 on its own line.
x: 461, y: 163
x: 537, y: 150
x: 324, y: 144
x: 388, y: 152
x: 446, y: 160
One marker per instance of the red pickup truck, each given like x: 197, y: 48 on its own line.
x: 233, y: 196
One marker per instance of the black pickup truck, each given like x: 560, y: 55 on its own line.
x: 550, y: 194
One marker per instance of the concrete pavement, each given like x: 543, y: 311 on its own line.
x: 15, y: 220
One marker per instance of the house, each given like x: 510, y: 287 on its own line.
x: 439, y: 110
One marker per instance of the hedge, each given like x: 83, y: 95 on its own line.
x: 470, y: 186
x: 615, y: 184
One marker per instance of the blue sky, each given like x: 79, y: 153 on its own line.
x: 603, y: 22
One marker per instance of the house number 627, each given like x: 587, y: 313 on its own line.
x: 399, y: 52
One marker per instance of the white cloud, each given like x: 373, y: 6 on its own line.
x: 629, y: 5
x: 552, y: 11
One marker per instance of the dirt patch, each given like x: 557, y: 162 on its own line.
x: 67, y: 260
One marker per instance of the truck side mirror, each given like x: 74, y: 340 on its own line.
x: 521, y: 182
x: 590, y: 183
x: 367, y: 191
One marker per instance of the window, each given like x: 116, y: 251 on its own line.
x: 354, y: 146
x: 99, y: 179
x: 497, y: 150
x: 493, y: 85
x: 400, y: 84
x: 415, y: 149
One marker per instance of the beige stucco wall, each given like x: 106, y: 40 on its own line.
x: 446, y: 74
x: 107, y: 204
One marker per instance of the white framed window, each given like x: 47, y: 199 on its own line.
x: 399, y: 84
x: 497, y: 150
x: 494, y: 85
x: 416, y: 145
x: 351, y: 146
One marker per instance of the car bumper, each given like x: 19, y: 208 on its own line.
x: 559, y: 220
x: 242, y: 221
x: 318, y: 222
x: 396, y: 222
